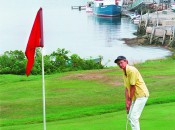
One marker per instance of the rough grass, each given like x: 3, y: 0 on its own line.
x: 79, y: 94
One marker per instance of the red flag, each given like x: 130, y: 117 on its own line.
x: 35, y: 40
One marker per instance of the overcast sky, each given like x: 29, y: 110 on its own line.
x: 17, y: 17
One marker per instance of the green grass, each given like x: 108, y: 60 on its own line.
x: 154, y: 117
x: 75, y: 95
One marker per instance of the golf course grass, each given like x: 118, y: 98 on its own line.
x: 87, y: 100
x: 154, y: 117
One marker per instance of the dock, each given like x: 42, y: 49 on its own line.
x: 159, y: 27
x: 78, y: 7
x: 138, y: 3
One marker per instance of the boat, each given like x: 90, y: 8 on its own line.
x: 107, y: 8
x: 89, y: 6
x: 173, y: 7
x: 134, y: 16
x: 136, y: 20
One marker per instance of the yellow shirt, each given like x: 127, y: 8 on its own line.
x: 133, y: 77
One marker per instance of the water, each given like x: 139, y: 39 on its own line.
x: 77, y: 31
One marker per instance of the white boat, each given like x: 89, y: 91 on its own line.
x: 173, y: 6
x: 89, y: 7
x: 134, y: 16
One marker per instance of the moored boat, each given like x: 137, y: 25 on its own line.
x: 107, y: 8
x: 89, y: 6
x: 173, y: 6
x: 134, y: 16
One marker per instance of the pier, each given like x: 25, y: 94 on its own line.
x: 78, y: 7
x: 158, y: 27
x: 136, y: 4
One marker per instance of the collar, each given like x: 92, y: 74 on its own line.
x: 126, y: 70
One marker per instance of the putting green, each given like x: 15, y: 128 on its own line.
x: 154, y: 117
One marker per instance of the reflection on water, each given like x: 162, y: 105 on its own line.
x: 107, y: 21
x: 110, y: 28
x: 112, y: 31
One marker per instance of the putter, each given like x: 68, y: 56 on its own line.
x: 127, y: 120
x: 127, y: 123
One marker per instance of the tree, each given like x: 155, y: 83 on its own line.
x: 60, y: 59
x: 12, y: 62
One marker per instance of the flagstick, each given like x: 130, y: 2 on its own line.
x: 43, y: 90
x: 127, y: 123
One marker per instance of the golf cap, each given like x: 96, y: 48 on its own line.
x: 119, y: 58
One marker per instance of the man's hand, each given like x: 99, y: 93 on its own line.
x: 129, y: 98
x: 128, y: 105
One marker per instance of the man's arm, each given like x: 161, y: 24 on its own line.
x: 129, y: 97
x: 128, y: 100
x: 132, y: 91
x: 132, y: 80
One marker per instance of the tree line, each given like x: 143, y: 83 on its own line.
x: 14, y: 62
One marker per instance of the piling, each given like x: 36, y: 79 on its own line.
x: 159, y: 27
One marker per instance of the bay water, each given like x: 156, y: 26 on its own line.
x: 79, y: 32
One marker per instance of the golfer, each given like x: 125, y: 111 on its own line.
x: 136, y: 91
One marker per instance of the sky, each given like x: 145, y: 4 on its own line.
x: 15, y: 24
x: 17, y: 17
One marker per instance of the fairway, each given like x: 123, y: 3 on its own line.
x: 154, y: 117
x: 86, y: 100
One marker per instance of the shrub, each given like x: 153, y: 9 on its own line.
x: 14, y: 62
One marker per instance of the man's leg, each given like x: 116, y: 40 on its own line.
x: 135, y: 112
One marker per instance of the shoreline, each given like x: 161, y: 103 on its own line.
x: 143, y: 41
